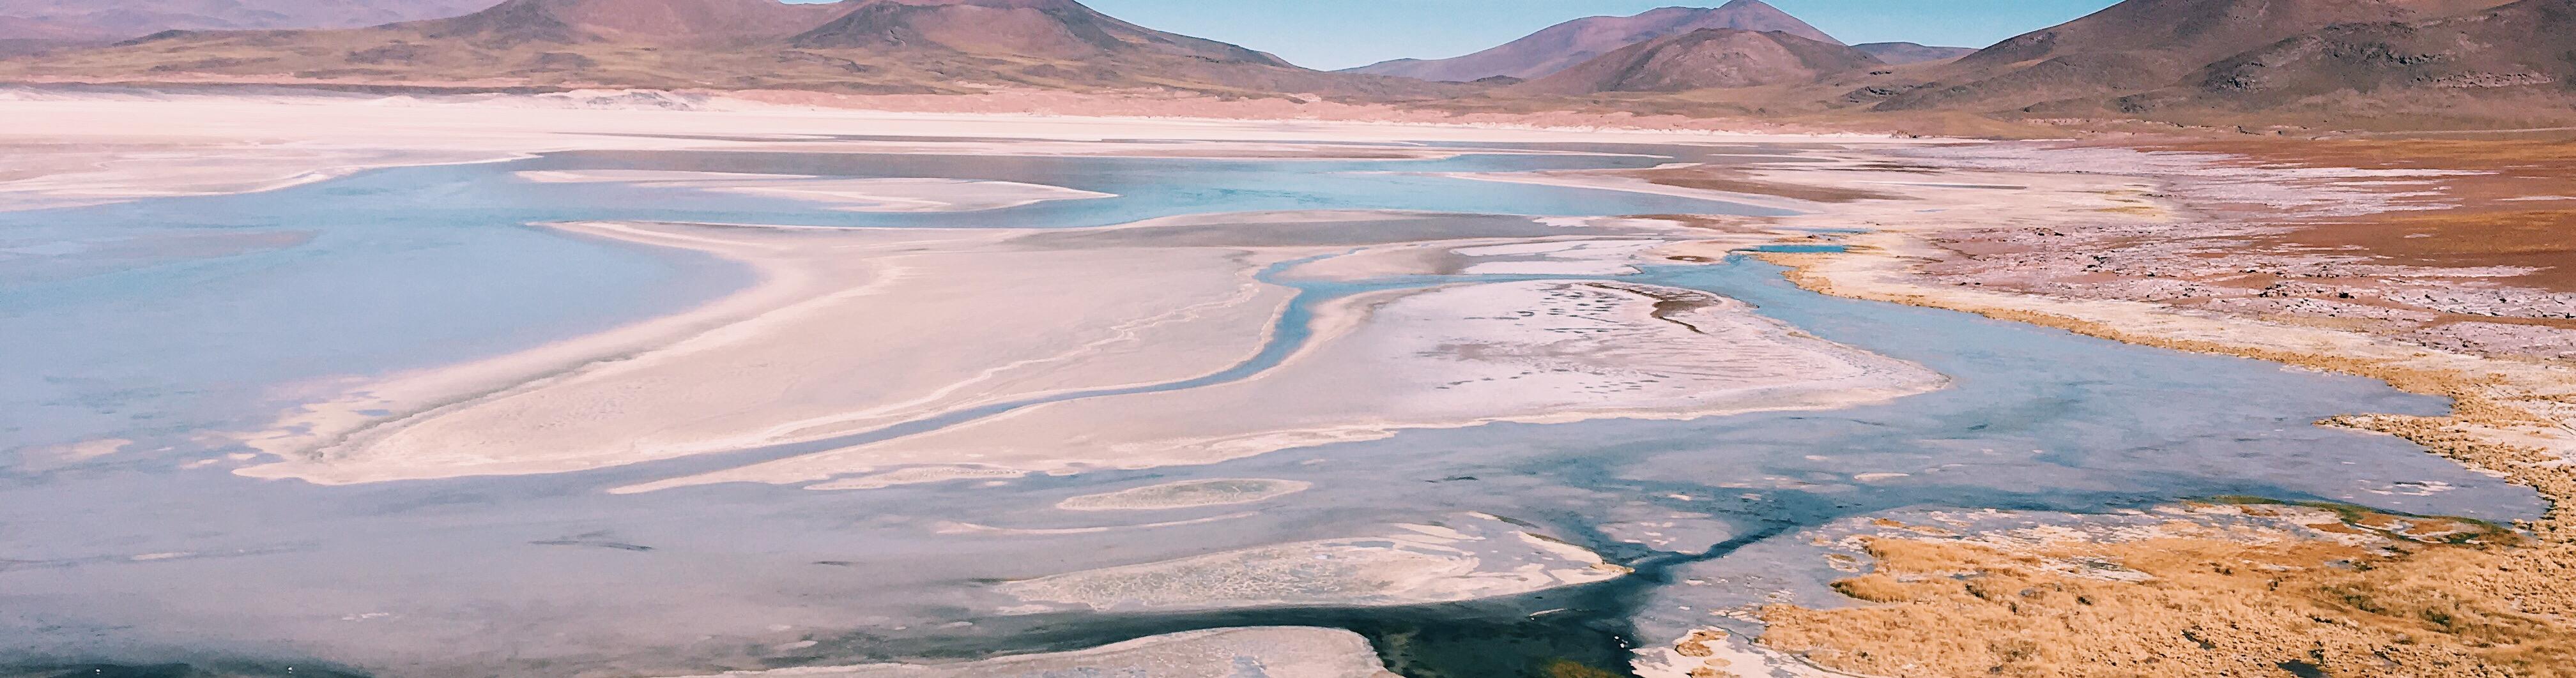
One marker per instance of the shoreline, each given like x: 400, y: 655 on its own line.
x: 247, y: 129
x: 2508, y: 419
x: 2499, y: 422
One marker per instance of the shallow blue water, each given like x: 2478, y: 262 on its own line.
x: 169, y: 316
x: 545, y: 575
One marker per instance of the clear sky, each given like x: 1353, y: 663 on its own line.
x: 1331, y: 34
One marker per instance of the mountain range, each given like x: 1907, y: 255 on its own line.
x: 869, y: 46
x: 1706, y: 58
x: 1561, y: 46
x: 31, y: 24
x: 2314, y: 63
x: 2385, y: 63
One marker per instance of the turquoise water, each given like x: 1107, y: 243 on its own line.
x: 160, y: 319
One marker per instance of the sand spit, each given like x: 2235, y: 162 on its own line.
x: 774, y: 363
x: 844, y: 194
x: 1464, y: 355
x: 1474, y: 556
x: 2138, y: 258
x: 1277, y: 652
x: 1187, y: 494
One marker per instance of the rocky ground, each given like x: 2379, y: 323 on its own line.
x: 2437, y: 266
x: 2282, y: 234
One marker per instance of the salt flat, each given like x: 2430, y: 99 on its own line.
x: 1537, y: 351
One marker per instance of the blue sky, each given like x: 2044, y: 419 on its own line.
x: 1332, y: 34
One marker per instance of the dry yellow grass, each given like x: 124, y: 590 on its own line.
x: 2215, y: 606
x: 2218, y: 606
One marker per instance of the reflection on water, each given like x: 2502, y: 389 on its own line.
x: 161, y: 319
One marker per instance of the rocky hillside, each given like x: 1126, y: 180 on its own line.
x: 2515, y: 63
x: 2135, y: 46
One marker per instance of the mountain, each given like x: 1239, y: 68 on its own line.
x: 2510, y: 65
x: 1706, y: 58
x: 121, y: 19
x: 1060, y: 29
x: 1563, y: 45
x: 36, y: 25
x: 1912, y: 53
x: 2134, y: 46
x: 660, y: 23
x: 867, y: 46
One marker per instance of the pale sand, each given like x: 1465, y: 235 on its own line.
x: 1474, y: 556
x: 1276, y: 652
x: 48, y: 457
x: 70, y: 149
x: 972, y: 528
x: 848, y: 329
x: 1187, y: 494
x: 902, y: 194
x: 1534, y: 352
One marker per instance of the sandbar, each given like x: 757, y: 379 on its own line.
x: 1187, y: 494
x: 1281, y: 651
x: 847, y: 194
x: 848, y: 329
x: 1473, y: 556
x: 1543, y: 351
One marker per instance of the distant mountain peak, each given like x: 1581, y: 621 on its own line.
x: 1561, y: 46
x: 1056, y: 29
x: 1895, y: 53
x: 1705, y: 58
x: 631, y: 21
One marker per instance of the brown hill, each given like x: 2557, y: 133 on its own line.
x: 1912, y: 53
x: 1563, y: 45
x: 2511, y: 65
x: 2134, y: 46
x: 1721, y: 57
x: 857, y: 46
